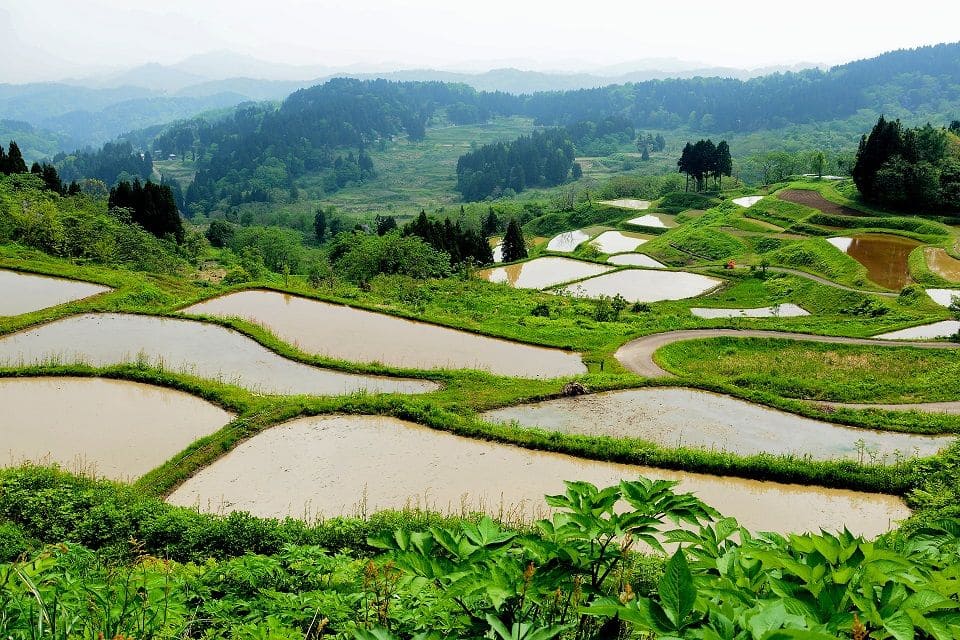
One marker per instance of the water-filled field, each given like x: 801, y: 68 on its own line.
x: 358, y: 335
x: 111, y: 428
x: 329, y: 465
x: 196, y: 348
x: 24, y: 292
x: 542, y: 272
x: 690, y: 418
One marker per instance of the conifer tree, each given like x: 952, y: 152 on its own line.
x: 514, y: 247
x: 15, y: 162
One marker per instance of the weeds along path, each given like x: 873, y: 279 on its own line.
x: 637, y: 355
x: 830, y: 283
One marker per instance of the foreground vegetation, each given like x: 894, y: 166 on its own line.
x: 125, y: 566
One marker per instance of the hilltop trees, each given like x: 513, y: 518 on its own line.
x: 151, y: 206
x: 704, y: 160
x: 544, y: 158
x: 915, y: 168
x: 514, y: 247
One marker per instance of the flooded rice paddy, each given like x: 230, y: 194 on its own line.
x: 690, y: 418
x: 200, y: 349
x: 617, y: 242
x: 787, y: 310
x: 653, y: 221
x: 942, y: 329
x: 357, y: 335
x: 567, y: 241
x: 643, y: 285
x: 942, y: 263
x: 635, y: 260
x: 542, y: 272
x: 628, y: 203
x: 943, y: 297
x: 110, y: 428
x: 24, y: 292
x: 885, y: 256
x: 747, y: 201
x: 330, y: 465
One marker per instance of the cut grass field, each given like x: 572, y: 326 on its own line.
x: 806, y: 370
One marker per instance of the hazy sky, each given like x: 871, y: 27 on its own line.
x: 59, y: 37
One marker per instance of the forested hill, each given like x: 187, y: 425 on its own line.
x: 325, y: 128
x: 925, y: 79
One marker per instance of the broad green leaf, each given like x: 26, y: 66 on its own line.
x: 677, y: 592
x: 900, y: 626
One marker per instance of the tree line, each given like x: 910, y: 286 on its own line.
x: 703, y: 160
x: 11, y: 162
x: 910, y: 168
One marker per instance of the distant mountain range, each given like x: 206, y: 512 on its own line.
x: 89, y: 111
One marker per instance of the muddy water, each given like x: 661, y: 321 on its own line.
x: 197, y: 348
x: 787, y: 310
x: 685, y: 417
x: 345, y: 465
x: 567, y: 241
x: 747, y: 201
x: 111, y: 428
x: 942, y: 264
x: 363, y: 336
x: 22, y: 293
x: 627, y: 203
x: 652, y: 220
x: 943, y: 329
x: 642, y: 285
x: 542, y: 272
x: 635, y: 260
x: 616, y: 242
x: 884, y: 256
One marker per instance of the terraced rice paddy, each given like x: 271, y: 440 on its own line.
x: 787, y: 310
x: 196, y: 348
x: 747, y: 201
x: 110, y: 428
x: 635, y: 260
x: 653, y: 221
x: 543, y: 272
x: 627, y: 203
x: 329, y: 465
x: 644, y: 285
x: 885, y: 256
x: 943, y: 297
x: 690, y: 418
x: 567, y: 241
x: 617, y: 242
x: 943, y: 329
x: 942, y: 263
x: 357, y: 335
x: 24, y: 292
